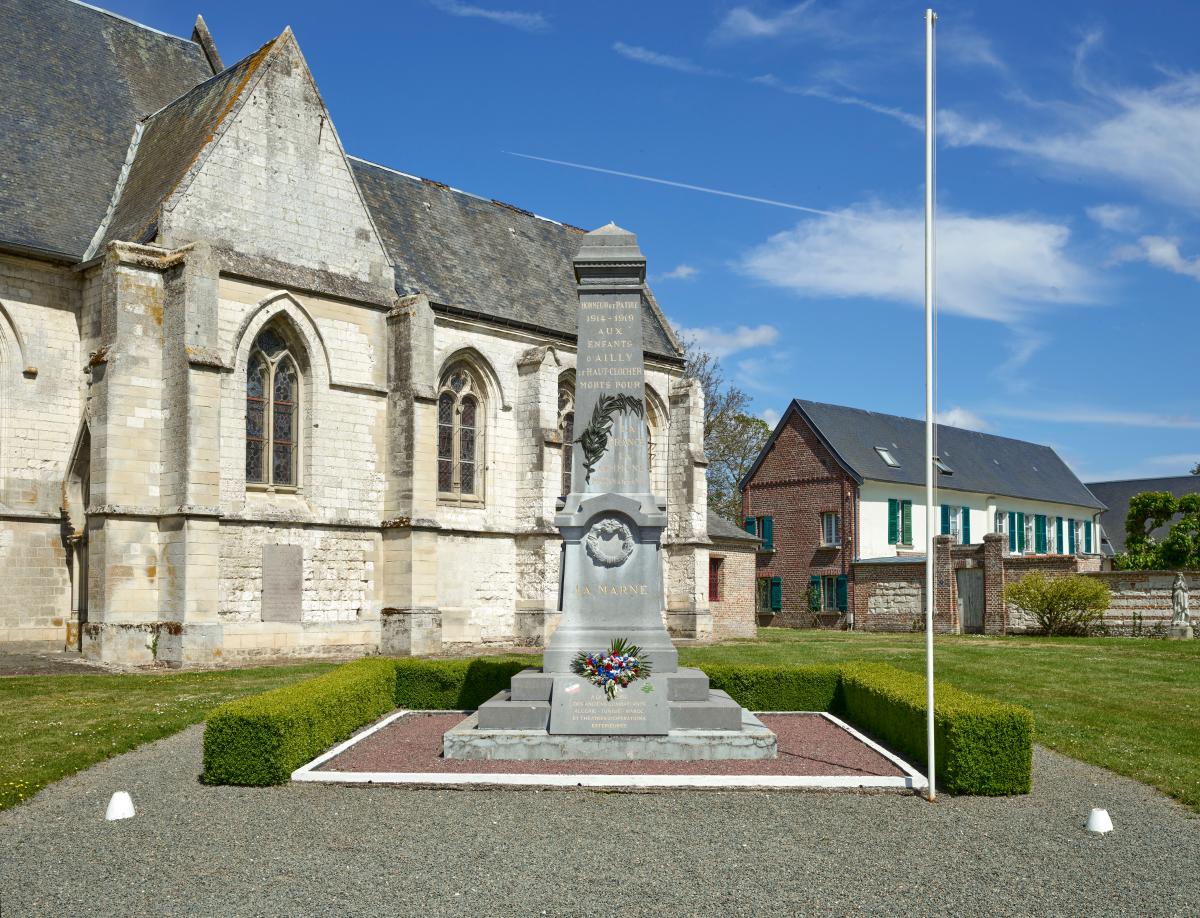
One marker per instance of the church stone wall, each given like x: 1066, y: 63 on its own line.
x: 277, y: 186
x: 40, y: 407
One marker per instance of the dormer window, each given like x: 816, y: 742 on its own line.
x: 941, y: 466
x: 886, y: 455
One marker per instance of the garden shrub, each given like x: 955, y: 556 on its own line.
x: 449, y: 685
x: 1071, y: 605
x: 262, y: 739
x: 777, y: 688
x: 982, y: 746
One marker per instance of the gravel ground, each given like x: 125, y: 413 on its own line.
x: 808, y: 745
x: 329, y: 850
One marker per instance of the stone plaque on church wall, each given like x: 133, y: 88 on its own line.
x: 282, y: 582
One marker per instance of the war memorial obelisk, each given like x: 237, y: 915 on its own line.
x: 612, y: 526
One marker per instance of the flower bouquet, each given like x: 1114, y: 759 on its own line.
x: 612, y: 669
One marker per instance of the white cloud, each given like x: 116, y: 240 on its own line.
x: 657, y: 59
x: 962, y: 417
x: 721, y: 342
x: 1162, y: 253
x: 526, y: 22
x: 1087, y: 415
x: 906, y: 118
x: 1148, y: 138
x: 1000, y: 268
x: 770, y: 415
x: 681, y: 272
x: 803, y: 19
x: 1115, y: 217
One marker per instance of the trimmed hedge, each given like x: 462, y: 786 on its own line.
x: 982, y: 747
x: 423, y: 685
x: 262, y: 739
x: 778, y: 688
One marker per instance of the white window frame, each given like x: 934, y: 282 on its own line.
x: 888, y: 459
x: 956, y: 525
x: 1030, y: 534
x: 829, y: 593
x: 836, y: 517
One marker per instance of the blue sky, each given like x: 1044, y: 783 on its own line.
x: 1068, y: 183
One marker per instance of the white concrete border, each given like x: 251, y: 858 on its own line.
x: 913, y: 780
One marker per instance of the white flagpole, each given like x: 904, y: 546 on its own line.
x: 930, y: 19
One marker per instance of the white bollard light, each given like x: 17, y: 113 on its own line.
x: 1099, y: 822
x: 119, y: 807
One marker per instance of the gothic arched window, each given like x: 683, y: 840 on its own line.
x: 566, y: 426
x: 460, y: 436
x: 272, y: 412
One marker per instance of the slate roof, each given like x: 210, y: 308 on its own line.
x: 721, y: 528
x: 1116, y: 495
x: 171, y: 140
x: 982, y: 463
x: 75, y: 81
x: 484, y: 257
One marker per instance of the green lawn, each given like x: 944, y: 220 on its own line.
x: 1129, y: 705
x: 54, y: 726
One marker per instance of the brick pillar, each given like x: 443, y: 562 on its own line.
x: 995, y: 615
x: 945, y: 607
x: 411, y: 622
x: 539, y: 543
x: 686, y: 536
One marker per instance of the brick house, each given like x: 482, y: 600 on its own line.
x: 837, y: 495
x: 731, y: 561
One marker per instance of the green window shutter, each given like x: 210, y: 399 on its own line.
x: 945, y: 519
x: 906, y: 522
x: 814, y: 593
x: 751, y: 525
x: 768, y: 532
x: 966, y: 525
x: 842, y: 593
x: 1039, y: 534
x: 1071, y: 536
x: 893, y: 521
x: 1020, y: 531
x: 776, y: 593
x: 1058, y: 535
x: 1087, y: 536
x: 1012, y: 533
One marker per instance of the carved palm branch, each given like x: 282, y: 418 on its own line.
x: 594, y: 439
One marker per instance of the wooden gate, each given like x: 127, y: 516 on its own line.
x: 970, y: 599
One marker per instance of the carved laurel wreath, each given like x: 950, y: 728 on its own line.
x: 609, y: 543
x: 594, y: 438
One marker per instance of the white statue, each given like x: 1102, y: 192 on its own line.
x: 1179, y: 601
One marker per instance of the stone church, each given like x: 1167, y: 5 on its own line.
x: 260, y: 398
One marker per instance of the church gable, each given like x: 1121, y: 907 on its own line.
x: 273, y: 180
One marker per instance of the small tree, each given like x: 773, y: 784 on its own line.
x: 1060, y: 605
x: 1151, y: 510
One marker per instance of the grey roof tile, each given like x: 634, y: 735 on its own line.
x: 1116, y: 495
x: 982, y: 463
x: 481, y: 256
x: 75, y: 80
x: 721, y: 528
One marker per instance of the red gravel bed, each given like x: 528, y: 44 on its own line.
x: 808, y: 745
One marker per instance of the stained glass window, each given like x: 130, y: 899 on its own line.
x: 460, y: 422
x: 272, y: 406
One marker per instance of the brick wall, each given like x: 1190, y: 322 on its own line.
x: 797, y: 481
x: 734, y: 614
x: 1141, y: 600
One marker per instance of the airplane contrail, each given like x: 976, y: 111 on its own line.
x: 685, y: 185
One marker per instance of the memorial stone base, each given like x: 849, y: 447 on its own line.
x: 674, y: 716
x: 1179, y: 632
